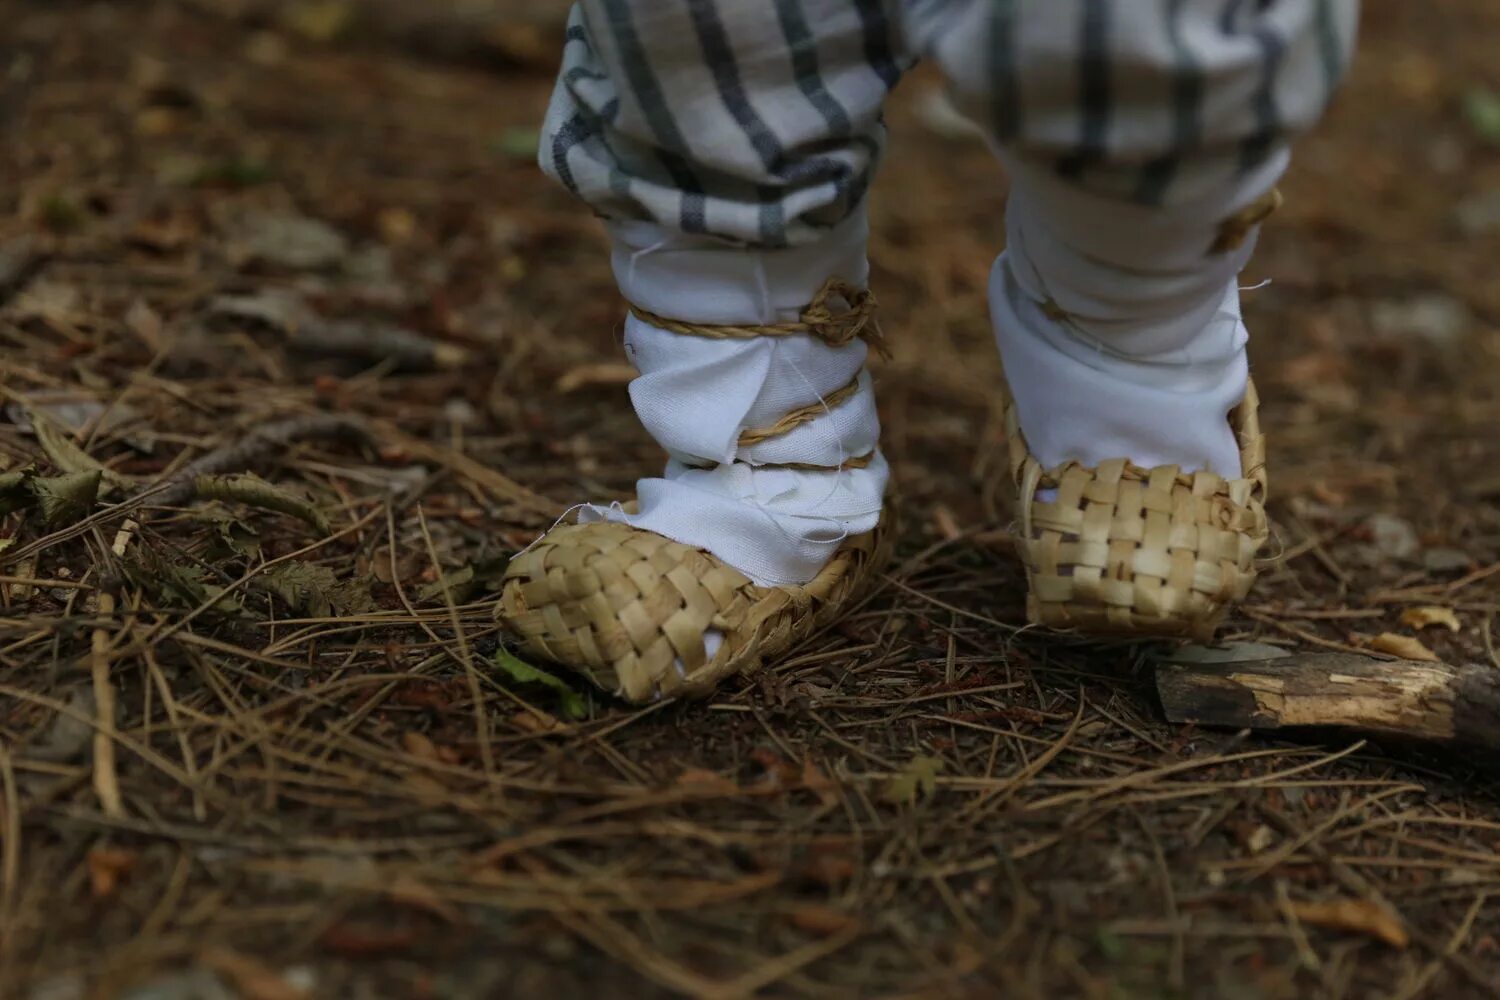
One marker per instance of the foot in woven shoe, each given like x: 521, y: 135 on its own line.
x: 763, y: 526
x: 1136, y: 458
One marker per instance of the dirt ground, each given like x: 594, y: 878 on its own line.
x: 258, y: 741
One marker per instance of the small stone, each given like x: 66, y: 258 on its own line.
x: 1436, y: 318
x: 289, y: 240
x: 1393, y: 536
x: 17, y: 258
x: 68, y: 986
x: 1479, y: 214
x: 1446, y: 561
x: 1447, y: 154
x: 371, y: 265
x: 193, y: 984
x: 277, y: 308
x: 301, y: 977
x: 266, y: 48
x: 459, y: 411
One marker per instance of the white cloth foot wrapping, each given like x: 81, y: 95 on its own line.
x: 696, y: 396
x: 1150, y: 357
x: 1147, y: 365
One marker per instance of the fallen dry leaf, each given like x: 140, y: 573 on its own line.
x: 779, y: 772
x: 815, y: 780
x: 816, y: 918
x: 535, y: 722
x: 1407, y: 647
x: 609, y: 373
x: 358, y: 940
x: 107, y: 866
x: 251, y: 978
x: 1362, y: 916
x: 828, y: 863
x: 1423, y: 617
x: 419, y: 745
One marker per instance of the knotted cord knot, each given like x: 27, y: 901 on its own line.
x: 1233, y: 230
x: 837, y: 315
x: 839, y: 327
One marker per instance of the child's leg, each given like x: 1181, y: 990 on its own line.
x: 729, y: 147
x: 1143, y: 142
x: 1132, y: 133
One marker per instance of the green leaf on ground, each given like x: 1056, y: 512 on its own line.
x: 1482, y: 108
x: 176, y: 585
x: 1111, y: 945
x: 519, y: 142
x: 235, y: 537
x: 457, y: 584
x: 483, y: 577
x: 522, y: 672
x: 66, y: 499
x: 230, y: 173
x: 316, y: 589
x: 15, y: 491
x: 918, y: 778
x: 255, y: 491
x: 61, y: 214
x: 319, y: 20
x: 69, y: 457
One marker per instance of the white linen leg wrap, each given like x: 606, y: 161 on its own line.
x: 1150, y: 357
x: 697, y: 395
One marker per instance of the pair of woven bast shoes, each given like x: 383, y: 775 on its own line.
x: 1112, y: 550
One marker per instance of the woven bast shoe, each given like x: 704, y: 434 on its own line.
x: 630, y: 609
x: 1122, y: 550
x: 634, y: 611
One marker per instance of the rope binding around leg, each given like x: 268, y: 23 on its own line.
x: 1234, y: 230
x: 838, y: 314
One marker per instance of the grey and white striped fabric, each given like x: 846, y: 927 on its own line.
x: 759, y: 121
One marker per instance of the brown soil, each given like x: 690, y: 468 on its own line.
x: 321, y: 784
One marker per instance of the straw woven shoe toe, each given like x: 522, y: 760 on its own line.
x: 1122, y: 550
x: 630, y: 609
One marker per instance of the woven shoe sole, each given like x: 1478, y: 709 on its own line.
x: 629, y: 609
x: 1122, y: 550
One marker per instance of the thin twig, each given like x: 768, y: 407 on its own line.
x: 106, y: 778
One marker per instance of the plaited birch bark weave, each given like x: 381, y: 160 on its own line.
x: 625, y: 607
x: 1150, y: 552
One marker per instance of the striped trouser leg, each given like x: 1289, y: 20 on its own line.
x: 1124, y: 122
x: 1158, y: 102
x: 757, y: 122
x: 1143, y: 139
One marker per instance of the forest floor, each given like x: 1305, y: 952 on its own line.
x: 265, y: 746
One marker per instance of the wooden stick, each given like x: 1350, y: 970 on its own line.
x: 1423, y: 701
x: 106, y: 780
